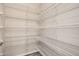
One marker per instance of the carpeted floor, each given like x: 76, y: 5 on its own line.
x: 35, y: 54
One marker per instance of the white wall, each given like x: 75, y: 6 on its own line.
x: 60, y: 29
x: 55, y: 25
x: 1, y: 28
x: 20, y: 28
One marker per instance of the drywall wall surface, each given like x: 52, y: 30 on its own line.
x: 1, y: 29
x: 20, y: 28
x: 56, y: 25
x: 59, y: 29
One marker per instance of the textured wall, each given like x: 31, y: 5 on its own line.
x: 59, y: 29
x: 1, y: 28
x: 55, y: 25
x: 20, y: 28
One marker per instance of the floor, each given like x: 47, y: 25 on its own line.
x: 35, y: 54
